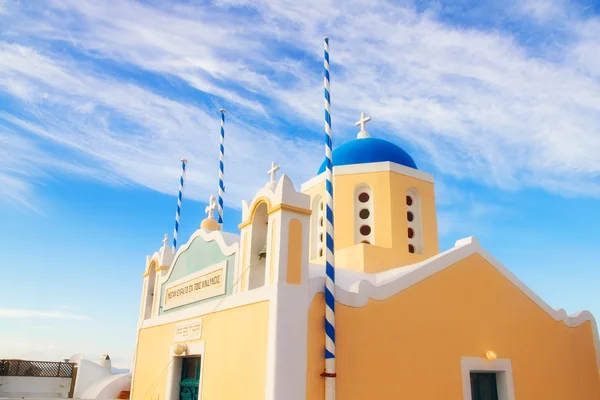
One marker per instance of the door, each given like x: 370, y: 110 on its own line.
x: 190, y: 379
x: 483, y: 386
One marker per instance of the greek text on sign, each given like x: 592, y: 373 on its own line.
x: 188, y: 331
x: 209, y: 282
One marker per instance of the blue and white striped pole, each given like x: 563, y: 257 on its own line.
x: 329, y: 373
x: 221, y: 170
x: 176, y: 230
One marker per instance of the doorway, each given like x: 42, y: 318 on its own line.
x: 484, y: 386
x: 189, y: 383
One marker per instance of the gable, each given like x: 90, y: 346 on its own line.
x: 355, y: 289
x: 203, y: 270
x: 463, y: 310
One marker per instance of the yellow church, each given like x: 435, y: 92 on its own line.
x: 242, y: 315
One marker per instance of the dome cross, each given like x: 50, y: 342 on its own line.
x: 362, y: 122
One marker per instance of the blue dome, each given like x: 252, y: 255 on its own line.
x: 369, y: 150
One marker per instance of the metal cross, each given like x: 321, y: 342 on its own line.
x: 362, y: 122
x: 273, y: 171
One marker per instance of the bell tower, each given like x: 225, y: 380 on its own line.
x: 274, y: 235
x: 384, y: 206
x: 156, y: 267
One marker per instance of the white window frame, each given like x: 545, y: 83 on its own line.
x: 370, y: 221
x: 502, y: 368
x: 316, y: 228
x: 175, y: 363
x: 416, y: 224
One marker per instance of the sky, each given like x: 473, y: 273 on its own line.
x: 499, y: 100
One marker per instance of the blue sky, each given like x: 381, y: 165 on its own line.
x: 500, y: 100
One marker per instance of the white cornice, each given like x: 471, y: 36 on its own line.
x: 221, y: 304
x: 389, y: 283
x: 283, y: 192
x: 384, y: 166
x: 228, y: 243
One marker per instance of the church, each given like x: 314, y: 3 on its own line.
x: 242, y: 315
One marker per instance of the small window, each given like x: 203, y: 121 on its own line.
x: 409, y: 201
x: 410, y: 216
x: 321, y: 237
x: 411, y: 233
x: 365, y: 242
x: 321, y: 221
x: 411, y: 248
x: 321, y: 205
x: 320, y: 252
x: 363, y: 197
x: 363, y: 221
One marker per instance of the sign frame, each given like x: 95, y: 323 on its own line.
x: 203, y: 294
x: 181, y: 333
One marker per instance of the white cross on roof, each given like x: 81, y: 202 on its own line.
x: 273, y: 171
x: 212, y: 206
x: 362, y: 121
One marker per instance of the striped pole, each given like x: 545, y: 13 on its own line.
x: 176, y: 230
x: 329, y: 373
x: 221, y: 171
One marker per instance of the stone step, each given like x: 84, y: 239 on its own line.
x: 125, y: 394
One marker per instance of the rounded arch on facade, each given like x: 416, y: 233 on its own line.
x: 259, y: 220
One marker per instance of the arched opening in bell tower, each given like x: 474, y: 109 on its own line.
x: 258, y: 247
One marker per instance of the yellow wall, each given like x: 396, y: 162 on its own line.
x: 235, y: 351
x: 410, y: 345
x: 294, y: 261
x: 390, y: 225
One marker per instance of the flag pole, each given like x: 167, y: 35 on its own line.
x: 329, y: 373
x: 178, y: 213
x: 221, y: 169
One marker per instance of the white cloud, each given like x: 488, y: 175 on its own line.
x: 39, y: 314
x: 477, y: 104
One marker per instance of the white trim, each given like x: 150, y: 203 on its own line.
x: 228, y: 243
x: 287, y: 343
x: 391, y: 282
x: 384, y: 166
x: 241, y: 299
x: 174, y: 372
x: 417, y: 223
x: 283, y: 193
x: 504, y: 377
x: 358, y: 207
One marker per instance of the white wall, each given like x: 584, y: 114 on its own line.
x: 36, y: 387
x: 108, y: 388
x: 88, y: 373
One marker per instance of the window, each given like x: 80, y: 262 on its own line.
x: 363, y: 214
x: 413, y: 218
x: 322, y: 228
x: 318, y: 227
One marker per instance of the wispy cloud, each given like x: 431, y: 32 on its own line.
x: 474, y: 103
x: 40, y: 314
